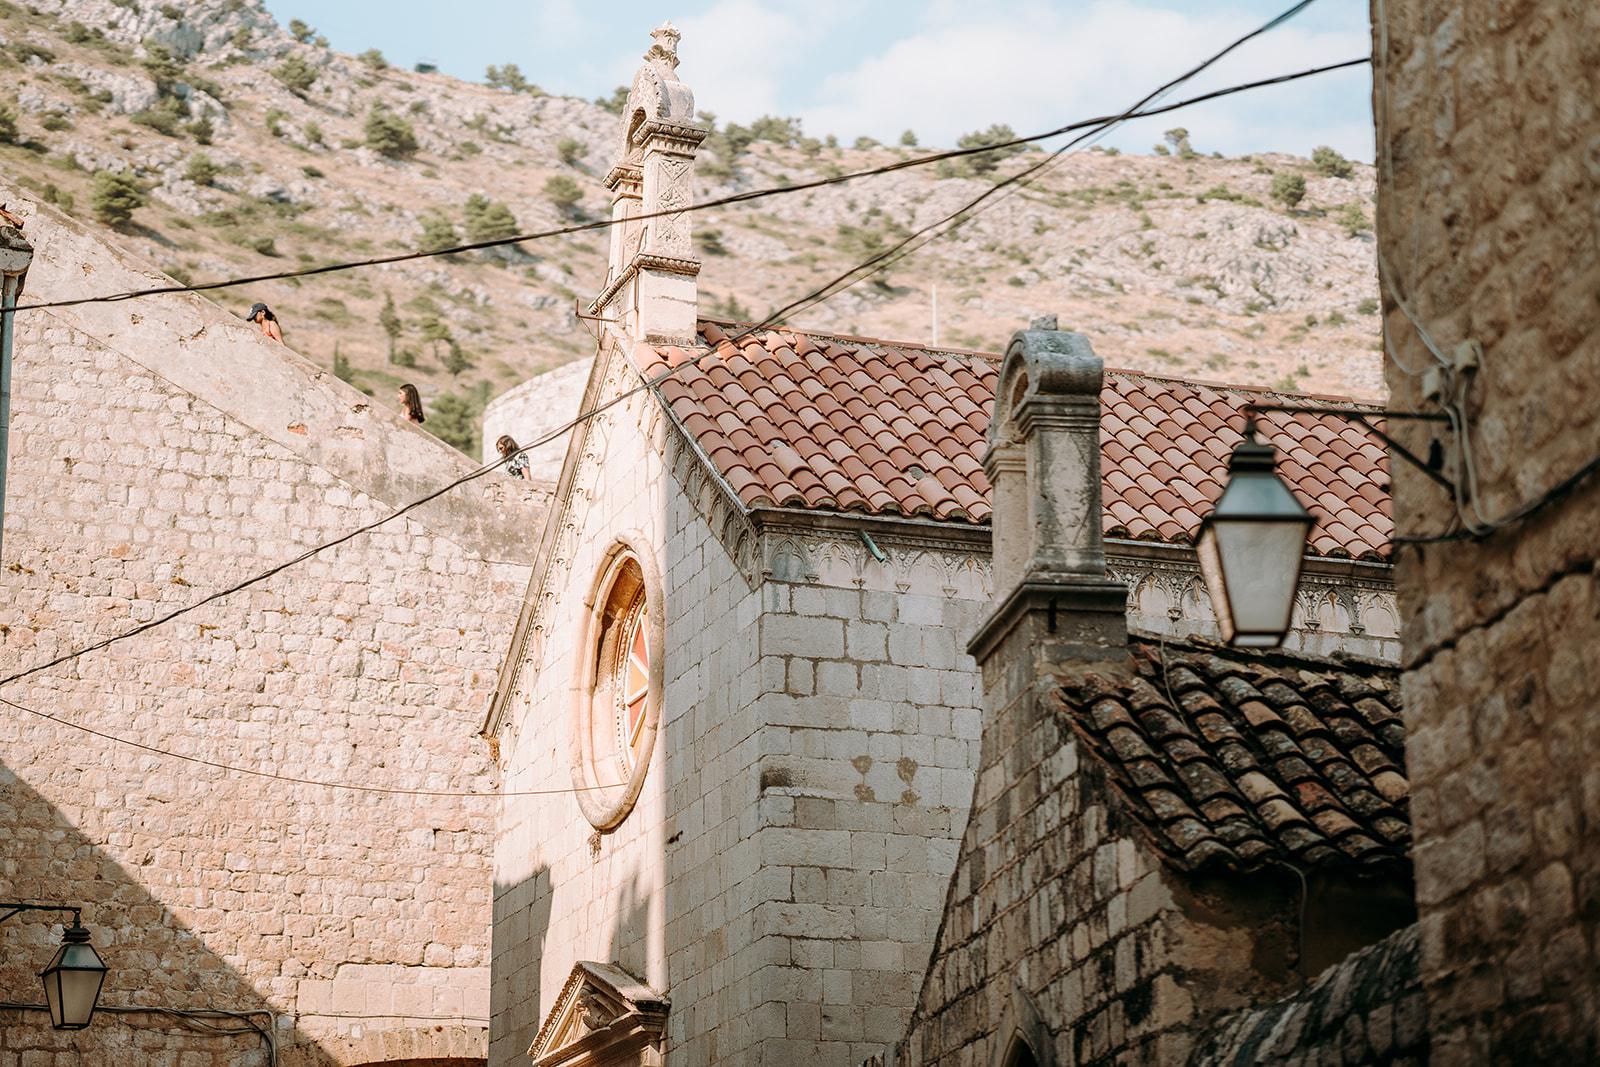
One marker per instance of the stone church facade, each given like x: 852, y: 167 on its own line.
x: 160, y: 450
x: 738, y: 729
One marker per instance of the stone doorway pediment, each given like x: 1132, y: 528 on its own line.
x: 604, y: 1017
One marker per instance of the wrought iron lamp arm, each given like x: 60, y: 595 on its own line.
x: 15, y: 908
x: 1361, y: 416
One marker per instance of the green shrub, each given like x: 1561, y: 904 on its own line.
x: 241, y: 37
x: 341, y: 365
x: 389, y: 321
x: 312, y: 130
x: 201, y: 130
x: 454, y: 421
x: 8, y: 125
x: 776, y: 130
x: 59, y: 197
x: 300, y: 31
x: 273, y: 120
x: 55, y: 121
x: 205, y: 85
x: 77, y: 33
x: 201, y: 170
x: 311, y: 172
x: 617, y: 101
x: 1178, y: 138
x: 456, y: 361
x: 162, y: 120
x: 709, y: 242
x: 1352, y: 218
x: 266, y: 246
x: 1369, y: 306
x: 373, y: 59
x: 1288, y: 188
x: 162, y: 66
x: 909, y: 138
x: 864, y: 143
x: 1330, y: 164
x: 296, y: 73
x: 509, y: 77
x: 488, y: 220
x: 563, y: 192
x: 388, y: 134
x: 437, y: 233
x: 116, y: 197
x: 168, y: 11
x: 570, y: 149
x: 984, y: 162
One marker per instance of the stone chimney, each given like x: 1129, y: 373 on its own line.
x: 1043, y: 460
x: 650, y: 292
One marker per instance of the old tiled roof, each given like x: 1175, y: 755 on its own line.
x: 1260, y: 760
x: 795, y: 420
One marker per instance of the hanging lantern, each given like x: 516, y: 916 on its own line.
x: 73, y: 979
x: 1251, y: 547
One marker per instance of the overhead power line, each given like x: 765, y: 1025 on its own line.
x: 862, y: 270
x: 726, y: 201
x: 817, y: 295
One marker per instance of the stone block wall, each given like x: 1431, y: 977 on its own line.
x: 782, y: 877
x: 869, y: 732
x: 1055, y: 895
x: 344, y: 914
x: 1490, y: 146
x: 1368, y: 1010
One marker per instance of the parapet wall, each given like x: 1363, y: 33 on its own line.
x: 160, y: 450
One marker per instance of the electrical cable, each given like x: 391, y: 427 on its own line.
x: 872, y: 265
x: 190, y: 1019
x: 284, y: 777
x: 837, y: 284
x: 737, y: 198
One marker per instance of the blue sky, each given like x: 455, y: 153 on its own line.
x: 939, y: 67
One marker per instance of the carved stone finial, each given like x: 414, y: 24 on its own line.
x: 664, y: 53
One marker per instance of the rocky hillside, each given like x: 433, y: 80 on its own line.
x: 252, y: 149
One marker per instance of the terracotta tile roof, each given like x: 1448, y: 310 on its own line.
x: 797, y: 420
x: 1263, y: 759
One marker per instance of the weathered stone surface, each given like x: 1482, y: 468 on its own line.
x: 158, y: 453
x: 1362, y: 1013
x: 1487, y: 125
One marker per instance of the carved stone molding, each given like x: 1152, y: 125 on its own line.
x: 604, y: 1017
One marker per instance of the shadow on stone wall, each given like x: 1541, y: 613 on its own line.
x: 521, y: 925
x: 156, y: 960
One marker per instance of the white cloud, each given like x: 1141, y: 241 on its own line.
x: 964, y: 66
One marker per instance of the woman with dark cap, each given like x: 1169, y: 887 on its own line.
x: 263, y: 317
x: 411, y: 402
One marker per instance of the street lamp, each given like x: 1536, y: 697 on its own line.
x: 1251, y: 547
x: 72, y: 981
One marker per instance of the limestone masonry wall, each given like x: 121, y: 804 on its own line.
x: 1487, y: 116
x: 357, y: 917
x: 782, y: 877
x: 1057, y: 903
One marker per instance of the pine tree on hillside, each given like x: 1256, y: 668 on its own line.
x: 389, y: 320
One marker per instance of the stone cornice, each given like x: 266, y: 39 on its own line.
x: 643, y: 261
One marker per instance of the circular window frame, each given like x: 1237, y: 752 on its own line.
x: 626, y: 592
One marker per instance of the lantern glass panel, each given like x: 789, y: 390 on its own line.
x: 1257, y: 567
x: 72, y: 985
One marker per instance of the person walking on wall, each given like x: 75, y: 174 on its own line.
x: 263, y: 317
x: 518, y: 465
x: 411, y: 403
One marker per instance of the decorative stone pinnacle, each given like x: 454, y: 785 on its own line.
x: 665, y: 51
